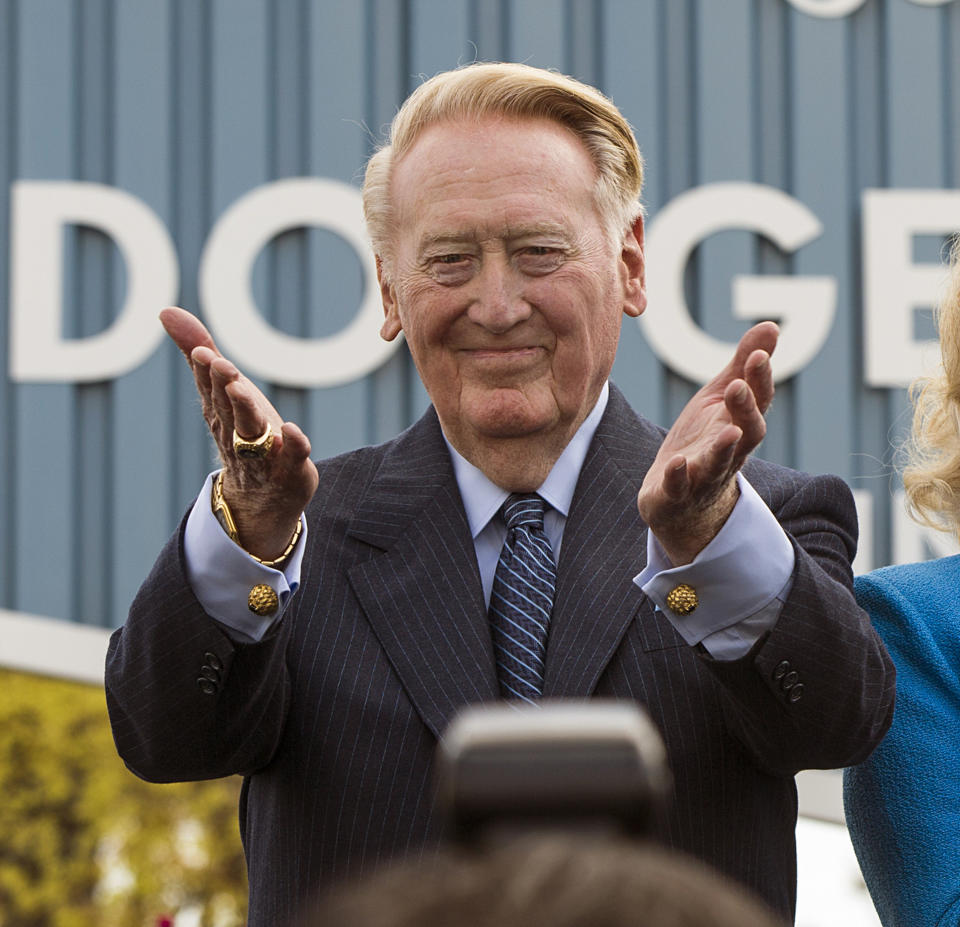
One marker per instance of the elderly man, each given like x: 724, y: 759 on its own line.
x: 314, y: 627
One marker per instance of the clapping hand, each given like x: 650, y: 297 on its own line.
x: 266, y: 492
x: 691, y: 489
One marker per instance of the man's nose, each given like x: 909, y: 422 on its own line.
x: 499, y: 302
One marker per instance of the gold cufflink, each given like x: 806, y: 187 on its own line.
x: 682, y: 599
x: 263, y: 600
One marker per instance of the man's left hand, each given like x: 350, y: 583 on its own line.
x: 691, y: 489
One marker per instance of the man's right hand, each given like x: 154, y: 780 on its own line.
x: 266, y: 495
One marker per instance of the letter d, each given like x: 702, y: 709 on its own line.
x: 38, y: 350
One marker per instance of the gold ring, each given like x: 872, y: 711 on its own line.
x: 255, y: 449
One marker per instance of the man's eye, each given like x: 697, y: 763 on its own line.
x: 452, y: 268
x: 540, y: 259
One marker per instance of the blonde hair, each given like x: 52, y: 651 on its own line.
x: 932, y: 474
x: 522, y: 92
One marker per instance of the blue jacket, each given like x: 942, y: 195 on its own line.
x: 903, y: 803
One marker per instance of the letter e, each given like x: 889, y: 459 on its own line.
x: 893, y: 285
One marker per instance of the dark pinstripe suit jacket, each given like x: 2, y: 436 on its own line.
x: 334, y: 718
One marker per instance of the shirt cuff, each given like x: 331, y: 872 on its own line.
x: 222, y: 574
x: 741, y: 579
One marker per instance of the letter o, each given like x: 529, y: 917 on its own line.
x: 226, y: 266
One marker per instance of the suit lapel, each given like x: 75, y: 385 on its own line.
x: 604, y: 547
x: 422, y: 592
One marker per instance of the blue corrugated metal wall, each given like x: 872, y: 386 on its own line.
x: 188, y: 105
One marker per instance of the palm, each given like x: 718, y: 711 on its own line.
x: 690, y: 489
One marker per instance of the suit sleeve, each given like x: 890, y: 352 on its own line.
x: 817, y: 690
x: 187, y: 701
x: 903, y: 803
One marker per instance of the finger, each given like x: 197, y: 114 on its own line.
x: 761, y: 337
x: 296, y: 445
x: 714, y: 467
x: 200, y: 360
x: 250, y: 410
x: 223, y: 373
x: 676, y: 478
x: 186, y: 330
x: 758, y: 372
x: 724, y: 450
x: 740, y: 402
x: 745, y: 414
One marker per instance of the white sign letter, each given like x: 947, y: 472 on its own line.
x: 834, y: 9
x: 893, y: 285
x: 804, y: 306
x: 827, y: 9
x: 241, y: 331
x: 38, y: 350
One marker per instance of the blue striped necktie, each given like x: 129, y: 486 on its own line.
x: 522, y: 599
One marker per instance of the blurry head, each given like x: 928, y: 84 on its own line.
x: 517, y: 91
x: 932, y: 474
x: 550, y: 881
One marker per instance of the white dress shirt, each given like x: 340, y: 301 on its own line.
x: 742, y: 576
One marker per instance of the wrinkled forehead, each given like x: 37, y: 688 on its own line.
x: 495, y: 170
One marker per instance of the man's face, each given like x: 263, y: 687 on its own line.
x: 504, y: 281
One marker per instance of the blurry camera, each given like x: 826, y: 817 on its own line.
x: 594, y: 765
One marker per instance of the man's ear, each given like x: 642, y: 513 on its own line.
x: 391, y: 316
x: 634, y: 270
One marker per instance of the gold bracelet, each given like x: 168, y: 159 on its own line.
x: 222, y: 511
x: 223, y: 514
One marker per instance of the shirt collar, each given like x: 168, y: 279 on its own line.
x: 482, y: 498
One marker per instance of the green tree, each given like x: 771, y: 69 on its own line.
x: 84, y: 843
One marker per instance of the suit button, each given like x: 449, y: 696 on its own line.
x: 213, y: 660
x: 781, y: 669
x: 207, y: 686
x: 210, y: 673
x: 796, y: 693
x: 789, y: 681
x: 682, y: 599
